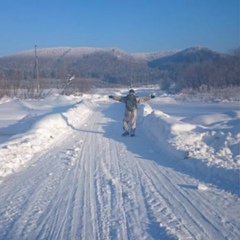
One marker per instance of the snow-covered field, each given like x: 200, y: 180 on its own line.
x: 67, y: 173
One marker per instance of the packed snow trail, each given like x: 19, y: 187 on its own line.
x: 95, y: 184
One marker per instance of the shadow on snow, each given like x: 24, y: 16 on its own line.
x: 114, y: 130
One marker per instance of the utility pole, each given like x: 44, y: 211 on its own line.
x: 131, y: 71
x: 36, y: 69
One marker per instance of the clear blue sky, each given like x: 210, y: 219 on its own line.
x: 131, y: 25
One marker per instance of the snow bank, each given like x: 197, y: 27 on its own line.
x: 43, y: 131
x: 208, y: 144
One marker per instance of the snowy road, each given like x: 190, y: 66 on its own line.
x: 94, y: 184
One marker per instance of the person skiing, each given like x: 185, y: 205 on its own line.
x: 130, y: 115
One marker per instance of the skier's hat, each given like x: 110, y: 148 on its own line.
x: 131, y: 91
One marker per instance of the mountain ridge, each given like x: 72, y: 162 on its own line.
x: 73, y: 51
x: 191, y: 67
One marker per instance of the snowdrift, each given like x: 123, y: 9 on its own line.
x: 44, y: 130
x: 209, y: 145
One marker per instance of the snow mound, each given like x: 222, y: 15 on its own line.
x: 208, y: 144
x: 202, y: 187
x: 207, y: 120
x: 42, y: 131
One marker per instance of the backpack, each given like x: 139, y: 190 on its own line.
x: 131, y: 102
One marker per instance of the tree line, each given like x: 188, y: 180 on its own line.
x: 187, y: 69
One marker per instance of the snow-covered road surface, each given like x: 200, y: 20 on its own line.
x: 95, y: 184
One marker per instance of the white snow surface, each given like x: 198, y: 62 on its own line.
x: 67, y: 173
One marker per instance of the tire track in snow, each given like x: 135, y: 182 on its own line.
x: 55, y: 215
x: 63, y: 208
x: 96, y: 185
x: 196, y: 209
x: 203, y: 228
x: 127, y: 201
x: 42, y: 185
x: 121, y: 209
x: 75, y: 218
x: 160, y: 203
x: 143, y: 223
x: 41, y: 196
x: 89, y: 219
x: 183, y: 213
x: 106, y: 192
x: 108, y: 188
x: 179, y: 213
x: 118, y: 222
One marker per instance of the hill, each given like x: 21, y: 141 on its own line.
x: 198, y: 66
x: 192, y: 67
x: 107, y: 65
